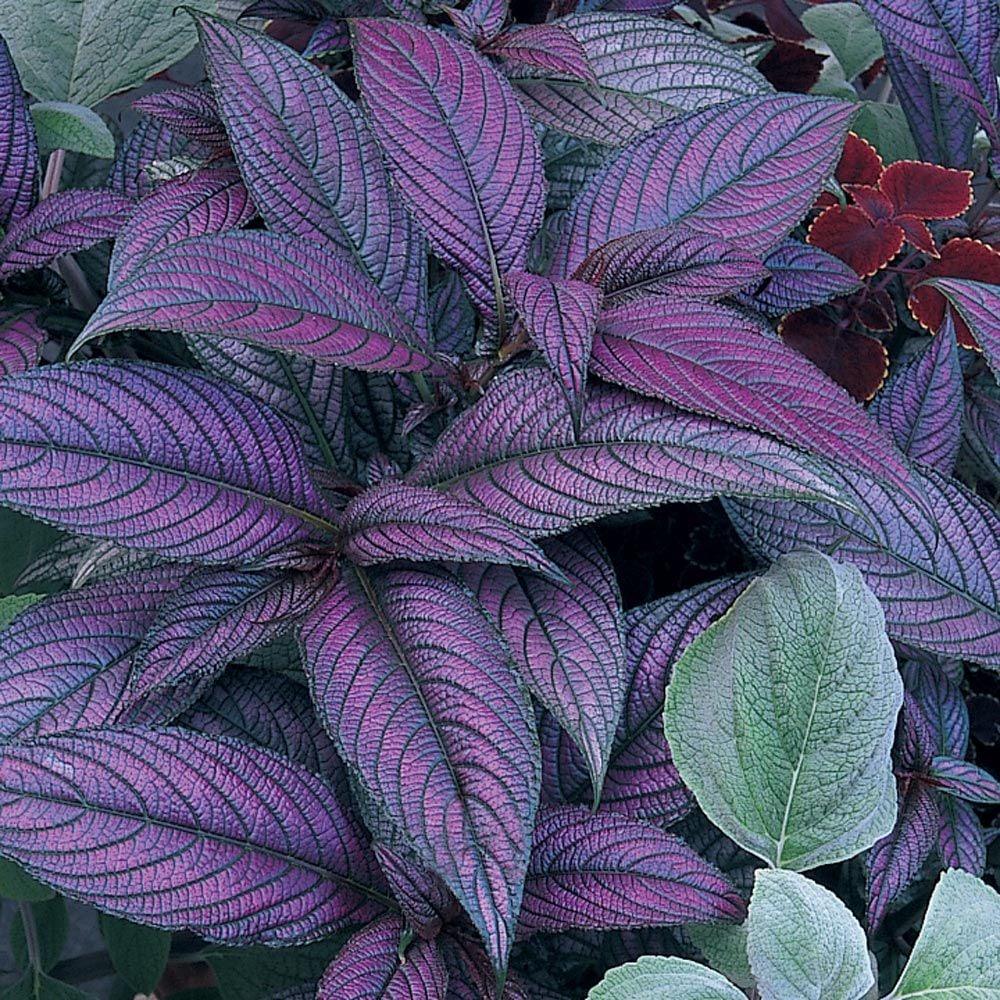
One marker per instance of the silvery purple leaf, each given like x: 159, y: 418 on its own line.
x: 310, y: 160
x: 745, y: 173
x: 602, y: 871
x: 396, y: 520
x: 560, y: 316
x: 64, y: 223
x: 727, y: 364
x: 273, y: 291
x: 65, y: 662
x: 717, y: 849
x: 423, y: 897
x: 160, y: 459
x: 188, y: 111
x: 371, y: 966
x: 453, y: 317
x: 411, y: 653
x: 478, y: 193
x: 18, y: 145
x: 939, y: 586
x: 569, y: 164
x: 647, y: 72
x: 978, y: 303
x: 964, y: 780
x: 921, y: 407
x: 940, y: 701
x: 960, y: 841
x: 915, y: 737
x: 21, y: 340
x: 149, y: 142
x: 209, y: 202
x: 981, y: 428
x: 331, y: 35
x: 566, y: 638
x: 480, y: 20
x: 802, y: 275
x: 544, y: 46
x: 292, y: 10
x: 629, y: 453
x: 178, y: 830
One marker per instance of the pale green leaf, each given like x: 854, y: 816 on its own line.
x: 803, y: 942
x: 886, y: 128
x: 781, y: 716
x: 849, y: 32
x: 724, y: 947
x: 72, y: 127
x: 11, y: 607
x: 656, y: 978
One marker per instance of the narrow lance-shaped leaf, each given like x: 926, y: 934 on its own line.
x: 21, y: 340
x: 178, y: 830
x: 18, y: 146
x: 960, y: 840
x: 940, y: 701
x: 160, y: 459
x: 978, y: 304
x: 148, y: 142
x: 964, y: 779
x: 478, y: 193
x: 423, y: 898
x: 189, y: 111
x: 802, y: 275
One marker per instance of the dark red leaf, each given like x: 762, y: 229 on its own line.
x: 918, y: 234
x: 791, y: 67
x: 859, y: 162
x: 871, y: 201
x: 877, y: 311
x: 927, y: 190
x: 848, y: 233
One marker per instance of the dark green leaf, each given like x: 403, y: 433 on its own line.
x: 138, y: 953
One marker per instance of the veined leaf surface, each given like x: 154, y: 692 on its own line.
x: 18, y: 145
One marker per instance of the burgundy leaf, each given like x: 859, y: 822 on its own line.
x: 629, y: 453
x: 978, y: 303
x: 21, y: 340
x: 410, y: 653
x: 160, y: 459
x: 65, y: 223
x: 423, y: 897
x: 544, y: 46
x: 566, y: 638
x: 18, y: 145
x: 964, y: 780
x: 149, y: 142
x: 745, y: 173
x: 960, y: 842
x: 371, y: 967
x: 177, y: 830
x: 941, y: 703
x: 605, y: 871
x: 803, y: 275
x: 396, y: 520
x: 189, y: 111
x: 478, y: 192
x: 273, y: 291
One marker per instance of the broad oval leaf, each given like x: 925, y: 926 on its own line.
x: 18, y: 145
x: 655, y: 977
x: 21, y: 340
x: 178, y: 830
x: 72, y: 127
x: 160, y: 459
x: 477, y: 192
x: 745, y: 173
x: 781, y: 716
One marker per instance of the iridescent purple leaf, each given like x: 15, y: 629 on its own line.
x: 21, y: 340
x: 292, y: 10
x: 981, y: 428
x: 18, y: 145
x: 921, y: 407
x: 978, y: 303
x: 544, y: 46
x: 65, y: 223
x: 480, y: 20
x: 65, y: 662
x: 566, y: 638
x: 178, y: 830
x: 470, y: 975
x: 964, y: 780
x: 941, y: 703
x: 371, y: 966
x: 453, y: 317
x: 717, y: 361
x: 331, y: 35
x: 274, y: 291
x: 569, y: 165
x: 560, y: 317
x: 629, y: 453
x: 209, y: 202
x: 159, y: 459
x: 960, y: 842
x: 148, y: 142
x: 396, y: 520
x: 189, y: 111
x: 310, y: 160
x: 745, y: 173
x: 602, y: 871
x: 423, y: 897
x: 647, y: 71
x: 915, y: 737
x: 802, y: 275
x: 478, y: 192
x: 414, y: 684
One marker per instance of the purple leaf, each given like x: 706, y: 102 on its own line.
x: 371, y: 967
x: 915, y: 737
x: 423, y: 897
x: 939, y: 586
x: 605, y: 871
x: 210, y: 202
x: 566, y: 638
x: 411, y: 654
x: 65, y: 661
x: 745, y: 173
x: 672, y: 261
x: 964, y: 780
x: 480, y: 20
x: 310, y: 160
x: 979, y: 305
x: 331, y: 35
x: 273, y: 291
x: 18, y: 145
x: 148, y: 142
x: 292, y: 10
x: 560, y: 317
x: 470, y: 975
x: 802, y: 275
x: 453, y: 316
x: 629, y: 453
x: 478, y: 192
x: 398, y: 521
x: 894, y: 862
x: 647, y: 72
x: 723, y: 363
x: 960, y: 842
x: 177, y: 830
x: 544, y: 46
x: 940, y: 702
x: 21, y: 340
x: 65, y: 223
x: 921, y: 407
x: 188, y: 111
x: 981, y: 429
x: 159, y: 459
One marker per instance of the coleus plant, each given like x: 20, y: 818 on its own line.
x: 394, y: 386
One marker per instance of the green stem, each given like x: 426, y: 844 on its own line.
x: 30, y: 935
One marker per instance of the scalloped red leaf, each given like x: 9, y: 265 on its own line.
x: 927, y: 190
x: 918, y: 234
x: 848, y: 232
x: 871, y: 201
x: 859, y: 163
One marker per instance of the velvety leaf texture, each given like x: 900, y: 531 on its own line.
x: 655, y: 976
x: 190, y: 111
x: 21, y: 340
x: 744, y: 173
x: 629, y: 453
x: 273, y: 291
x: 184, y: 830
x: 605, y: 871
x: 158, y: 459
x: 802, y: 275
x: 412, y: 681
x: 978, y: 303
x: 18, y: 145
x: 478, y: 193
x: 64, y: 223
